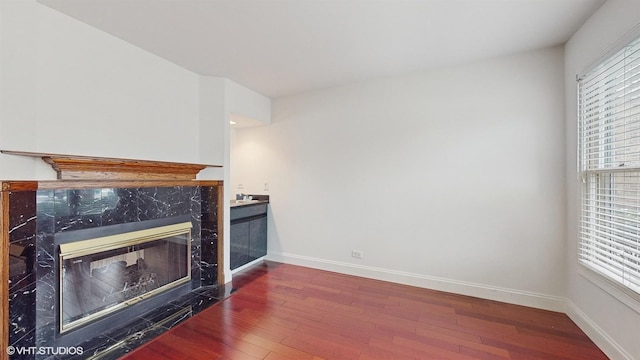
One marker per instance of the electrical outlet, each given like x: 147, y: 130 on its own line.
x: 356, y: 254
x: 266, y: 186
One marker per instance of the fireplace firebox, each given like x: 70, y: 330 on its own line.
x: 102, y: 275
x: 108, y: 273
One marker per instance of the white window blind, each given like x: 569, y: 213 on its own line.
x: 609, y: 156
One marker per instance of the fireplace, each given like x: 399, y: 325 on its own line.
x: 44, y: 234
x: 101, y: 275
x: 107, y: 256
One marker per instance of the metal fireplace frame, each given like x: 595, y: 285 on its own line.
x: 76, y: 249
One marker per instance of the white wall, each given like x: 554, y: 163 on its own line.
x: 18, y: 56
x: 451, y: 179
x: 214, y: 124
x: 248, y: 103
x: 70, y: 88
x: 614, y: 326
x: 219, y: 98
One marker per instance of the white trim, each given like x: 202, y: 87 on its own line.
x: 596, y: 334
x: 624, y: 295
x: 512, y: 296
x: 616, y: 46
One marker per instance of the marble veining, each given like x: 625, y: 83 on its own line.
x: 209, y: 236
x: 22, y: 259
x: 45, y: 299
x: 37, y: 216
x: 121, y: 340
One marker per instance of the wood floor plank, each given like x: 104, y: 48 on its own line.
x: 216, y: 343
x: 278, y: 348
x: 437, y: 352
x: 323, y: 347
x: 276, y: 356
x: 284, y: 312
x: 372, y: 353
x: 484, y: 327
x: 461, y: 339
x: 400, y: 347
x: 434, y: 330
x: 479, y: 354
x: 559, y: 347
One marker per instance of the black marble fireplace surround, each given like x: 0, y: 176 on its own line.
x: 37, y: 216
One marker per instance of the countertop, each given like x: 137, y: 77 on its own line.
x: 238, y: 203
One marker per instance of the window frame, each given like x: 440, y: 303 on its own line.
x: 627, y: 294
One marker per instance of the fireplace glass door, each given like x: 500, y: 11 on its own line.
x: 99, y: 276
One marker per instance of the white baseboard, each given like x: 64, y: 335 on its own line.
x: 596, y: 334
x: 511, y: 296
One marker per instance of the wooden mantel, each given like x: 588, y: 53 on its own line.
x: 73, y: 167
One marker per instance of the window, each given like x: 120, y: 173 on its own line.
x: 609, y: 164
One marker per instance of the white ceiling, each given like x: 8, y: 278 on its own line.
x: 282, y: 47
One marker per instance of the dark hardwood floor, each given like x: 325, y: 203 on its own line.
x: 288, y: 312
